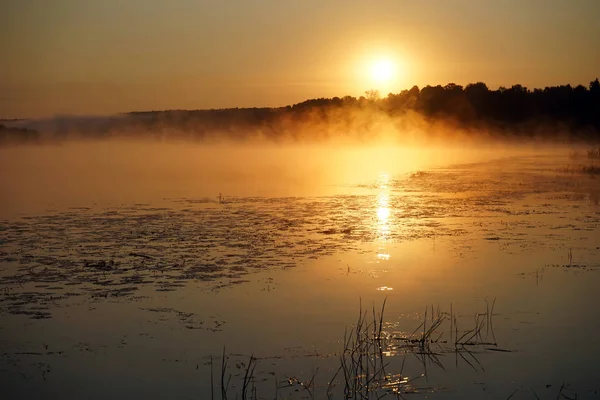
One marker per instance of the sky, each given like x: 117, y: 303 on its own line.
x: 92, y: 57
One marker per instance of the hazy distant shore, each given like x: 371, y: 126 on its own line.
x: 560, y: 113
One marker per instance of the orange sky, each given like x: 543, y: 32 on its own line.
x: 99, y: 57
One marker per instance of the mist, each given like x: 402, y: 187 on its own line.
x: 214, y: 216
x: 432, y: 115
x: 115, y: 172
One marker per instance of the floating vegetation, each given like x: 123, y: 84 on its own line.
x: 590, y: 169
x: 572, y: 265
x: 594, y: 153
x: 112, y: 254
x: 162, y: 257
x: 581, y: 169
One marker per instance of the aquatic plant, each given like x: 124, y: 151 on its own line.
x: 581, y: 169
x: 364, y: 370
x: 594, y: 153
x: 590, y: 169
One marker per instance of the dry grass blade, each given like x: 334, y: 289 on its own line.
x: 560, y: 391
x: 212, y: 387
x: 248, y: 376
x: 224, y: 385
x: 330, y: 385
x: 512, y: 394
x: 361, y: 372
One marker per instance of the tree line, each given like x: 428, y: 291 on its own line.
x: 475, y: 105
x: 516, y: 111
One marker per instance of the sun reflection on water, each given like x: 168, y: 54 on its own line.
x: 383, y: 209
x: 383, y: 220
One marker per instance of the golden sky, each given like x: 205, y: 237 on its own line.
x: 107, y: 56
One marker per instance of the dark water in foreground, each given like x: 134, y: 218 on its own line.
x: 132, y: 299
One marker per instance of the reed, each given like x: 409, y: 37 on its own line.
x: 364, y: 369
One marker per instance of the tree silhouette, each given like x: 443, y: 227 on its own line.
x: 516, y: 111
x: 373, y: 95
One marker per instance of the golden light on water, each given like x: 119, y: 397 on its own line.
x: 383, y: 212
x: 383, y: 221
x: 384, y: 180
x: 382, y: 209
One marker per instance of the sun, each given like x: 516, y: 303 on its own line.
x: 382, y: 71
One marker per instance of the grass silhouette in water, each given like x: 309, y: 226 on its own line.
x: 365, y: 370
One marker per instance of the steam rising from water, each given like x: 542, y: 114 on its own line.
x: 115, y: 172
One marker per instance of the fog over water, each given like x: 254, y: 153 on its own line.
x: 125, y: 260
x: 337, y: 200
x: 115, y: 172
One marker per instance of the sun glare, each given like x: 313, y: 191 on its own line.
x: 382, y: 71
x: 380, y: 68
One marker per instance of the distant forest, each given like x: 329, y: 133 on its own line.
x: 558, y: 112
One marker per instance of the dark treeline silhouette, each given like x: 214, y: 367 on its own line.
x: 10, y: 135
x: 577, y: 108
x: 564, y: 112
x: 516, y: 111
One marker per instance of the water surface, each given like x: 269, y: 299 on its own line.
x: 122, y: 271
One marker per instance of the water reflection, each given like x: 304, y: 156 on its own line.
x: 383, y: 210
x: 169, y: 258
